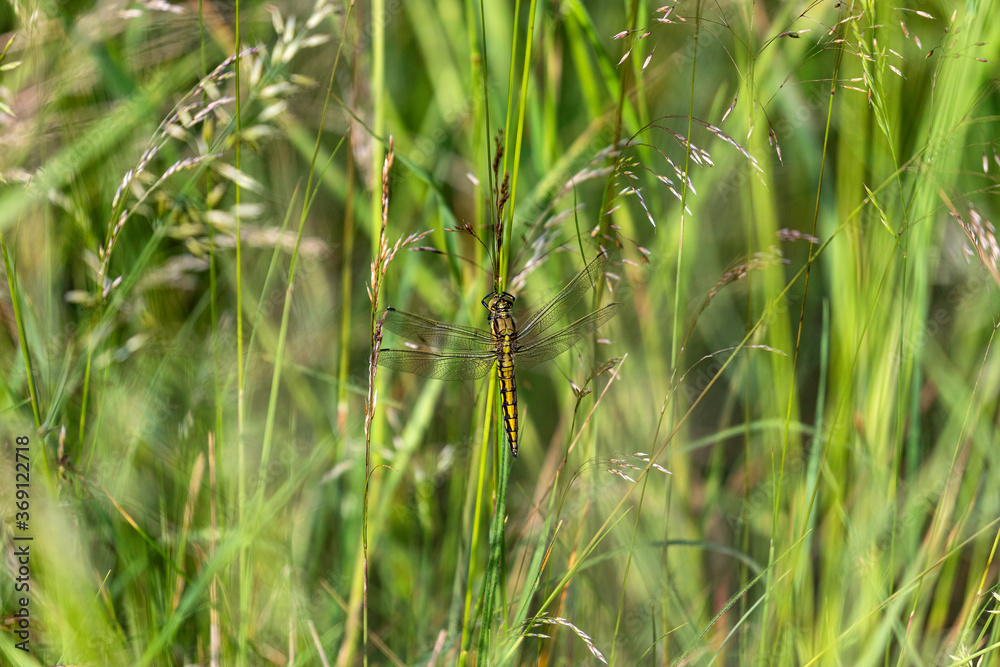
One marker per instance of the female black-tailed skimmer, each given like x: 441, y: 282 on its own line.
x: 513, y: 349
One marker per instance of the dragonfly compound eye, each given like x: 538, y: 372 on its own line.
x: 498, y: 303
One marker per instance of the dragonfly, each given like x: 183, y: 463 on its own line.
x: 469, y: 353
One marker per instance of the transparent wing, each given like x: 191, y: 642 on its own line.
x: 436, y: 334
x: 438, y: 365
x: 551, y: 312
x: 541, y: 350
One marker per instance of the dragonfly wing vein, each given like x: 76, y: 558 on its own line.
x: 546, y: 348
x: 438, y: 365
x: 436, y: 334
x: 551, y: 312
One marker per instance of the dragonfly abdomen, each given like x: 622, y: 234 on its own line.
x: 508, y: 396
x: 505, y: 336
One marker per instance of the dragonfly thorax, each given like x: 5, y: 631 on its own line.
x: 502, y: 324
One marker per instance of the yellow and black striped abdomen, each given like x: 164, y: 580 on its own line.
x: 508, y: 392
x: 505, y: 341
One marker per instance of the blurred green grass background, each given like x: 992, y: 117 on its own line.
x: 800, y: 196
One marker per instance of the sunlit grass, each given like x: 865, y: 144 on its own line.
x: 788, y: 456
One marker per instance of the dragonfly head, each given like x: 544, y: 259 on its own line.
x: 498, y: 304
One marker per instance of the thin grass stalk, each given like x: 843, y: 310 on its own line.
x: 201, y: 42
x: 15, y: 299
x: 495, y: 566
x: 506, y: 460
x: 215, y: 630
x: 376, y: 85
x: 246, y: 579
x: 749, y: 363
x: 347, y: 274
x: 617, y: 127
x: 571, y: 563
x: 508, y: 119
x: 518, y: 138
x: 216, y: 437
x: 679, y: 270
x: 482, y: 110
x: 628, y: 567
x: 279, y: 351
x: 379, y: 265
x: 85, y: 389
x: 996, y: 538
x: 541, y: 556
x: 469, y: 613
x: 346, y: 279
x: 481, y: 118
x: 812, y: 475
x: 905, y: 414
x: 479, y: 76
